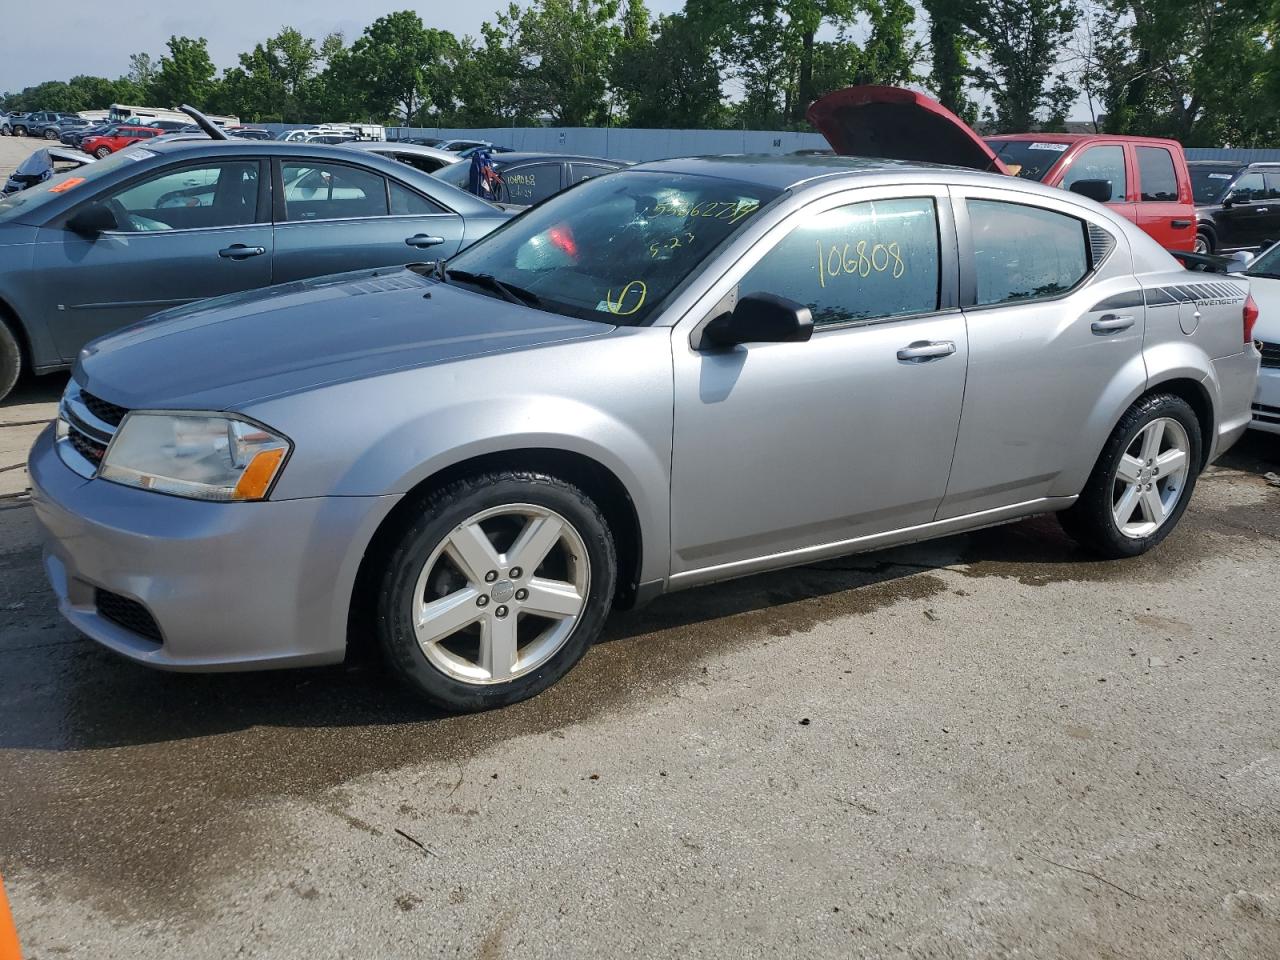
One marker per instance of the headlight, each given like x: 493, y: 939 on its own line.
x: 195, y: 455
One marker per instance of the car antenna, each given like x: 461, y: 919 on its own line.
x: 204, y: 123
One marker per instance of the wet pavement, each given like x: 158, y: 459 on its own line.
x: 986, y: 745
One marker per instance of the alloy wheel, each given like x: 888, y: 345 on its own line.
x: 1150, y: 478
x: 501, y: 594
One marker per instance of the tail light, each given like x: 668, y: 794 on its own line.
x: 1250, y: 317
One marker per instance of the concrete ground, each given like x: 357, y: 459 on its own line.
x: 986, y: 746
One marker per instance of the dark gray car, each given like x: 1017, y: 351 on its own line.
x: 161, y: 225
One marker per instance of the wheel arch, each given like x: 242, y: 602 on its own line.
x: 595, y: 479
x: 1197, y: 397
x: 9, y: 317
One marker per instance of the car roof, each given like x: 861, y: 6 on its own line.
x: 785, y: 172
x: 1078, y: 137
x: 1233, y: 163
x: 395, y: 146
x: 509, y: 157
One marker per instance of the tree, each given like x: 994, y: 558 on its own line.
x: 186, y: 75
x: 1019, y: 41
x: 949, y: 46
x: 395, y: 62
x: 670, y: 78
x: 142, y: 71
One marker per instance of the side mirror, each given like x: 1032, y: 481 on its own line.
x: 92, y: 219
x: 758, y: 318
x: 1099, y: 190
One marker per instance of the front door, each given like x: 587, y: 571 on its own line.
x: 1055, y: 323
x: 333, y: 217
x: 183, y: 234
x: 780, y: 447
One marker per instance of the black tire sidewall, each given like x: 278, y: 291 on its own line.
x: 1092, y: 520
x: 10, y: 360
x: 440, y: 513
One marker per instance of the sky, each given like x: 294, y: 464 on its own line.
x: 97, y: 37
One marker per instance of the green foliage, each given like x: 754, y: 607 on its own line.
x: 669, y: 77
x: 949, y: 48
x: 186, y: 75
x: 397, y: 64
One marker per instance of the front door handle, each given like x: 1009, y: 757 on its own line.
x: 238, y: 251
x: 1263, y: 209
x: 421, y: 240
x: 1180, y: 224
x: 1110, y: 323
x: 924, y: 350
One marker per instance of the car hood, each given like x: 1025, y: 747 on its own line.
x: 898, y: 124
x: 232, y: 351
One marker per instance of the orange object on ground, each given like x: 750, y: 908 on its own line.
x: 8, y: 932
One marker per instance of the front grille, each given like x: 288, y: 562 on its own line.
x: 1270, y: 353
x: 109, y: 413
x: 86, y: 446
x: 127, y: 613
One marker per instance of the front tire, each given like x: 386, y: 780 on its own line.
x: 1142, y: 482
x: 102, y: 153
x: 1204, y: 242
x: 19, y: 131
x: 51, y: 134
x: 10, y: 360
x: 496, y: 590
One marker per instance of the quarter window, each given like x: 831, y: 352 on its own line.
x: 1155, y: 171
x: 331, y: 191
x: 864, y: 261
x: 217, y: 195
x: 1025, y: 253
x: 1099, y: 163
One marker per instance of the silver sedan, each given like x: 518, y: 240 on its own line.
x: 679, y: 373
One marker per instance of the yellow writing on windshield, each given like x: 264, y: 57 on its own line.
x: 862, y: 262
x: 729, y: 210
x: 635, y: 291
x: 670, y: 243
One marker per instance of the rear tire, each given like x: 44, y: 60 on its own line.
x: 102, y: 153
x: 497, y: 588
x: 19, y: 131
x: 1142, y: 482
x: 1204, y: 242
x: 51, y: 134
x: 10, y: 360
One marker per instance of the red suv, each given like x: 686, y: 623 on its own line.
x: 1142, y: 178
x: 117, y: 138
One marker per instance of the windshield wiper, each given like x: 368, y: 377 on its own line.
x: 511, y: 294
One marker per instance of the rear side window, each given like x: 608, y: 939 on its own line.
x: 1155, y: 172
x: 1025, y: 253
x: 331, y: 191
x: 528, y: 185
x: 1273, y: 186
x: 1099, y: 163
x: 864, y: 261
x: 585, y: 171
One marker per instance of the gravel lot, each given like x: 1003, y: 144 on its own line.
x: 989, y: 746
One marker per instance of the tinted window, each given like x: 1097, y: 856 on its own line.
x: 585, y: 171
x: 1029, y: 159
x: 529, y: 184
x: 212, y: 195
x: 418, y: 161
x: 1248, y: 188
x: 1155, y: 172
x: 1209, y: 183
x: 404, y: 202
x: 1023, y: 253
x: 331, y: 191
x: 1273, y: 186
x: 860, y: 262
x: 1099, y: 163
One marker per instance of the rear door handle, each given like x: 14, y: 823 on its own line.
x: 1111, y: 324
x: 1180, y: 224
x: 238, y: 251
x: 421, y: 240
x: 924, y: 350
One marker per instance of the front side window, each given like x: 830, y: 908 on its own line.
x: 1099, y: 163
x: 331, y: 191
x: 528, y: 185
x: 213, y: 195
x: 614, y: 248
x: 1155, y: 171
x: 1248, y: 188
x: 1025, y: 253
x: 585, y: 171
x: 863, y: 261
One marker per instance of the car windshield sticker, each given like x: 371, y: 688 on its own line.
x: 1055, y: 147
x: 137, y: 153
x: 880, y: 258
x: 1219, y: 176
x: 66, y: 184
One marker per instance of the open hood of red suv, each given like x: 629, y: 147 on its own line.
x: 898, y: 124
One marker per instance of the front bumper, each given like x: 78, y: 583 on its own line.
x: 1266, y: 402
x: 230, y: 586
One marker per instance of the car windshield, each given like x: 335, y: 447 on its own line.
x: 1208, y: 184
x: 80, y: 180
x: 1029, y: 159
x: 1267, y: 264
x: 613, y: 248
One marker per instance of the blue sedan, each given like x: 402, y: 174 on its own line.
x: 163, y: 224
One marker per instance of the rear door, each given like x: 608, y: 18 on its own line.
x: 1165, y: 210
x: 185, y: 232
x: 332, y: 216
x: 529, y: 183
x: 1055, y: 323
